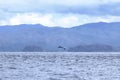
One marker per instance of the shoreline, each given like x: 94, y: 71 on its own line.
x: 62, y: 53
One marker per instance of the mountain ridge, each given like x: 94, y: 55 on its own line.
x: 17, y: 37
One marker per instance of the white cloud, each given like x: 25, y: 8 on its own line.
x: 28, y: 18
x: 65, y: 13
x: 51, y: 20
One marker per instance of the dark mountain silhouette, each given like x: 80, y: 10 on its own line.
x: 32, y: 48
x: 92, y: 48
x: 16, y: 38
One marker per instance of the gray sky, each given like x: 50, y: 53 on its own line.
x: 65, y: 13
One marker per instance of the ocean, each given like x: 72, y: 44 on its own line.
x: 59, y: 66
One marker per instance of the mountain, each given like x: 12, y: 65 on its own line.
x: 92, y: 48
x: 43, y: 38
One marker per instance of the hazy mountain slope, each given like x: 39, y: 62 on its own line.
x: 16, y: 38
x: 92, y: 48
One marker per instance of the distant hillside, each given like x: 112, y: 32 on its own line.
x: 42, y: 38
x: 92, y: 48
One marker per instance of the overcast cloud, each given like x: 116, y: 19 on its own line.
x: 65, y: 13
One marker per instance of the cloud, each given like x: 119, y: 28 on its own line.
x: 55, y: 2
x: 52, y: 20
x: 28, y: 18
x: 92, y: 7
x: 66, y: 13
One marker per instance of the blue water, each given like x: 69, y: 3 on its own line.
x: 59, y: 66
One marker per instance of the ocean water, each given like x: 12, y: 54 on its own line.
x: 59, y: 66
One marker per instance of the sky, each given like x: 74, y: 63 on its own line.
x: 63, y: 13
